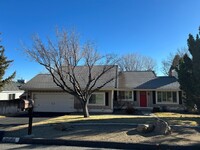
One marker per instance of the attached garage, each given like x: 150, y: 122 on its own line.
x: 53, y: 102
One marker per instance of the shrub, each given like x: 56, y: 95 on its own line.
x: 130, y: 109
x: 156, y: 109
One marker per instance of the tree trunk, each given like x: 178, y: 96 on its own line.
x: 85, y: 110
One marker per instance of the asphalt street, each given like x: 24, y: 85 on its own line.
x: 8, y: 146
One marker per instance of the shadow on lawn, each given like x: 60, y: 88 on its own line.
x: 87, y: 136
x: 37, y: 114
x: 105, y: 133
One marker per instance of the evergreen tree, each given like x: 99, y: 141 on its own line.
x: 189, y: 72
x: 4, y: 64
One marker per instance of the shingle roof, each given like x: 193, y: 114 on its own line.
x: 133, y: 79
x: 126, y: 80
x: 12, y: 86
x: 161, y: 83
x: 45, y: 81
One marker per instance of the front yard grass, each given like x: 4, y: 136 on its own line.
x: 2, y: 117
x: 171, y: 118
x: 180, y: 119
x: 100, y: 119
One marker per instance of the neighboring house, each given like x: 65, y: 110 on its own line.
x: 141, y: 89
x: 11, y: 91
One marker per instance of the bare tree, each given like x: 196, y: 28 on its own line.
x: 74, y: 67
x: 136, y: 62
x: 172, y: 60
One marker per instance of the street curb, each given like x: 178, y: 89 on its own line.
x: 113, y: 145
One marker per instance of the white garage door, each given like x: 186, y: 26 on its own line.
x: 53, y: 102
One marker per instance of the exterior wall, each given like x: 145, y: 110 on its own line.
x: 9, y: 107
x: 77, y: 104
x: 169, y: 106
x: 136, y: 102
x: 122, y: 104
x: 4, y: 95
x: 149, y: 95
x: 53, y: 102
x: 96, y: 108
x: 150, y: 102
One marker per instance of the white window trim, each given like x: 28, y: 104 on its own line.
x: 130, y: 99
x: 104, y: 103
x: 177, y: 98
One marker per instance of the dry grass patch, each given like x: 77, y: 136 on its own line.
x: 98, y: 119
x: 176, y: 115
x: 2, y: 116
x: 172, y: 118
x: 92, y: 119
x: 180, y: 119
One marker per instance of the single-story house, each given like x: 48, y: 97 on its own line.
x: 141, y: 89
x: 11, y: 91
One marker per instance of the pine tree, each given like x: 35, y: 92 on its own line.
x: 189, y: 72
x: 4, y: 64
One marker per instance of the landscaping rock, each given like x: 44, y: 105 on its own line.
x: 145, y: 128
x: 162, y: 127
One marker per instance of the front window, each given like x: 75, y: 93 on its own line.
x: 125, y: 95
x: 97, y: 99
x: 11, y: 96
x: 167, y: 97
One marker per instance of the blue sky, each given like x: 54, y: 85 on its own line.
x: 149, y: 27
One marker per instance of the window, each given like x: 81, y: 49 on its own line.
x: 97, y: 99
x: 167, y: 97
x: 125, y: 95
x: 11, y: 96
x: 159, y: 96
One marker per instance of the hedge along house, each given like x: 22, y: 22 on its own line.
x: 48, y: 97
x: 140, y: 89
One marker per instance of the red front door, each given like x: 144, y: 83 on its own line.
x: 143, y: 99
